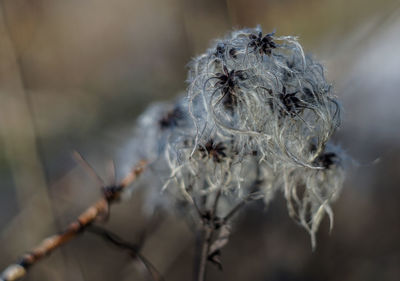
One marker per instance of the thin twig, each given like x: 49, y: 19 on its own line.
x: 251, y: 197
x: 207, y: 233
x: 134, y: 250
x: 215, y: 206
x: 233, y: 211
x: 96, y: 211
x: 208, y: 229
x: 210, y: 223
x: 198, y: 211
x: 89, y: 169
x: 151, y: 227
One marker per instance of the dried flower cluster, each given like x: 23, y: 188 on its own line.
x: 257, y: 109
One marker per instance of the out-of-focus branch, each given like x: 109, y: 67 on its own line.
x: 20, y: 134
x: 134, y: 250
x: 96, y: 211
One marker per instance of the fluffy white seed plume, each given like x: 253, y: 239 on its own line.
x: 257, y: 109
x: 265, y: 94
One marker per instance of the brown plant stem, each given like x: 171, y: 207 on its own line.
x: 97, y: 211
x: 211, y: 223
x: 207, y: 232
x: 133, y: 249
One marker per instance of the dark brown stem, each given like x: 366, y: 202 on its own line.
x: 97, y: 211
x: 234, y: 210
x: 251, y: 197
x: 207, y: 233
x: 215, y: 206
x: 133, y: 249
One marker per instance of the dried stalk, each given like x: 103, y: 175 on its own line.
x: 205, y: 248
x: 97, y: 211
x: 208, y: 228
x: 211, y: 243
x: 133, y: 249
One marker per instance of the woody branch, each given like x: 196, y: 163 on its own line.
x: 94, y: 212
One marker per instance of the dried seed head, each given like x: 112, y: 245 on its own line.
x: 269, y: 97
x: 256, y: 110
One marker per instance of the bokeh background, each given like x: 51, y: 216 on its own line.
x: 74, y: 75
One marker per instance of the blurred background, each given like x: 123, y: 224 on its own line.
x: 74, y: 75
